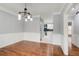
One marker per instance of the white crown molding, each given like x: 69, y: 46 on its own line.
x: 15, y: 14
x: 56, y: 13
x: 67, y: 8
x: 62, y: 9
x: 11, y: 12
x: 7, y: 11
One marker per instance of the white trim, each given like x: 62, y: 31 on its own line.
x: 8, y: 11
x: 55, y: 39
x: 10, y: 38
x: 62, y: 9
x: 30, y: 36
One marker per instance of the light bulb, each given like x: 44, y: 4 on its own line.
x: 19, y: 16
x: 31, y: 19
x: 73, y: 9
x: 26, y: 19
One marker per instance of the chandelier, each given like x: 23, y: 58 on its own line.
x: 25, y: 15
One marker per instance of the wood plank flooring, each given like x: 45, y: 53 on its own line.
x: 74, y: 51
x: 27, y: 48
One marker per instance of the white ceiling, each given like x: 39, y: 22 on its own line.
x: 42, y: 9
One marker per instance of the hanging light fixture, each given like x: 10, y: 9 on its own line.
x: 26, y: 19
x: 24, y: 14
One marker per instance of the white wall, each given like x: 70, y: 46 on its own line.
x: 56, y: 36
x: 32, y: 36
x: 75, y: 39
x: 76, y: 24
x: 10, y: 38
x: 58, y: 29
x: 9, y: 23
x: 32, y: 29
x: 10, y: 29
x: 53, y: 38
x: 58, y: 23
x: 32, y: 26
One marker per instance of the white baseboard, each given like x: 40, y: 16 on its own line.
x: 10, y: 38
x: 5, y: 39
x: 55, y: 39
x: 75, y: 40
x: 32, y: 36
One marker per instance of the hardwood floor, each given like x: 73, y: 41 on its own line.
x: 27, y: 48
x: 74, y: 51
